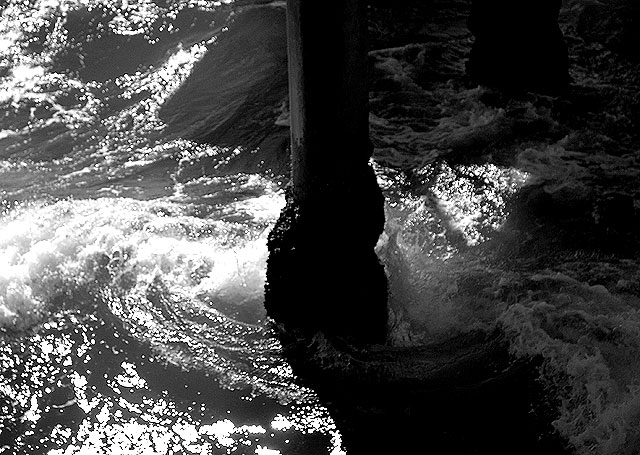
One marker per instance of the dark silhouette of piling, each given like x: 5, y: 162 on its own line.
x: 323, y: 274
x: 518, y: 46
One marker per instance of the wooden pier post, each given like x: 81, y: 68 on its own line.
x: 323, y: 274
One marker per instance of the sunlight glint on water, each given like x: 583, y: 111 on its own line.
x: 475, y: 197
x: 102, y: 299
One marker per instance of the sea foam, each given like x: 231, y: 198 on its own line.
x: 45, y: 250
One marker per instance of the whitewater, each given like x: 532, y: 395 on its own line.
x: 143, y: 163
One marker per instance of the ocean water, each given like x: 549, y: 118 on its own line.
x: 135, y: 214
x: 131, y: 316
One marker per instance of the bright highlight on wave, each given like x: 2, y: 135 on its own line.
x: 44, y: 249
x: 475, y: 197
x: 187, y: 289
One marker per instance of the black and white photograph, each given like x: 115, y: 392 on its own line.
x: 319, y: 227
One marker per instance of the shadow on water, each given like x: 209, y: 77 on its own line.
x: 556, y: 262
x: 464, y: 396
